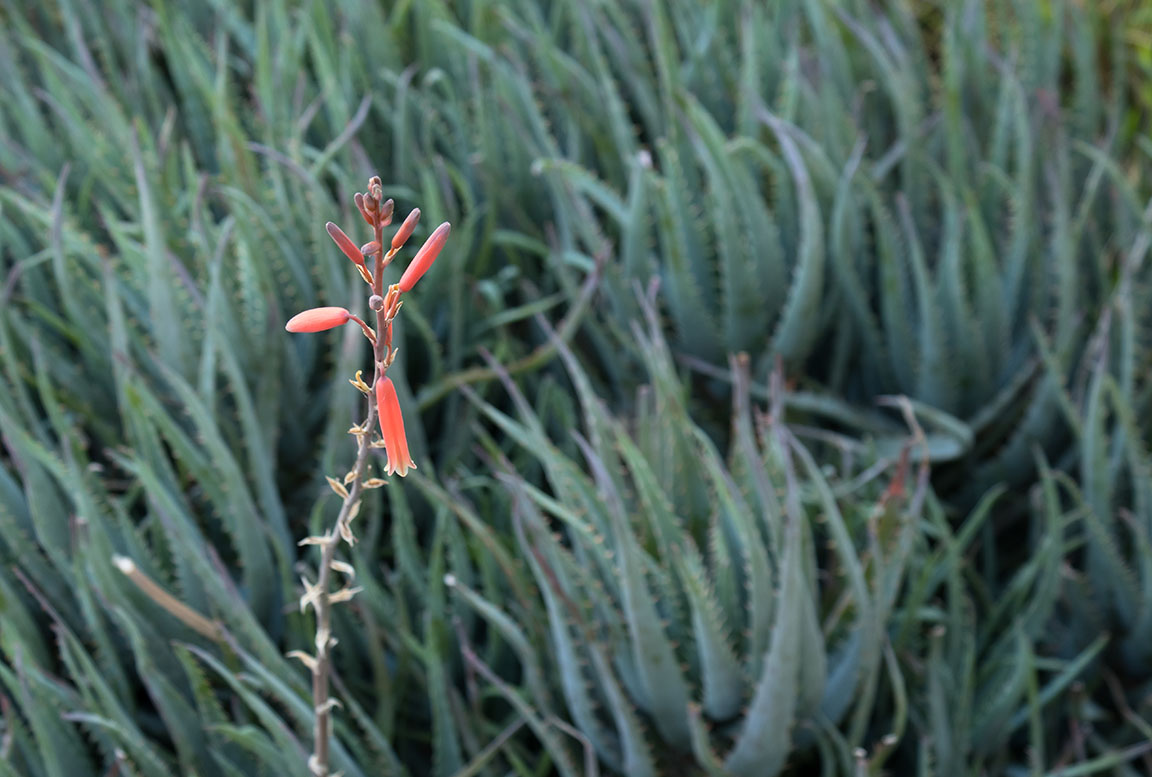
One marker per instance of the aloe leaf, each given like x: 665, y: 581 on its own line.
x: 721, y: 675
x: 663, y: 689
x: 865, y: 626
x: 58, y: 742
x: 746, y: 537
x: 765, y: 734
x: 178, y: 715
x: 745, y: 309
x: 257, y: 742
x: 1068, y: 674
x: 796, y: 330
x: 162, y: 308
x: 448, y: 755
x: 813, y: 658
x: 289, y: 747
x: 572, y: 677
x: 636, y: 754
x: 688, y: 299
x: 702, y: 748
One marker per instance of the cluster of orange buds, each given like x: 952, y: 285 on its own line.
x: 385, y: 304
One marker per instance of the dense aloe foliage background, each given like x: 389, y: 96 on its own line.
x: 779, y: 401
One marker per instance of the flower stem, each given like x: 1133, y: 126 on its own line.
x: 322, y: 600
x: 323, y: 605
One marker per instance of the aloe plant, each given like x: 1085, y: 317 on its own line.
x: 826, y: 182
x: 954, y: 234
x: 161, y: 435
x: 665, y: 577
x: 888, y: 211
x: 686, y: 617
x: 1102, y: 490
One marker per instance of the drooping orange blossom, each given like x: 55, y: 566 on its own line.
x: 392, y: 429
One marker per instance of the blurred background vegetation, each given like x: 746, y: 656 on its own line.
x: 780, y: 400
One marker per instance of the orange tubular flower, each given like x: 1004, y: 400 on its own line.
x: 318, y: 319
x: 424, y: 257
x: 392, y: 428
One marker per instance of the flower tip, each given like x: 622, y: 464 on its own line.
x: 400, y: 469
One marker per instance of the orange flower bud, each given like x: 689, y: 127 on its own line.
x: 346, y: 245
x: 424, y: 257
x: 392, y: 428
x: 318, y: 319
x: 406, y: 228
x: 386, y: 212
x: 369, y: 248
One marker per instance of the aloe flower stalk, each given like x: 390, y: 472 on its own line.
x: 384, y: 406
